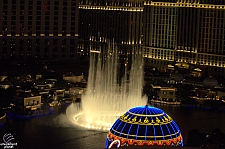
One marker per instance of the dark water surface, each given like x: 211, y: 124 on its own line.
x: 56, y: 132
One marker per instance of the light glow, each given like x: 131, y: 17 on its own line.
x: 114, y: 142
x: 115, y: 8
x: 160, y: 134
x: 185, y: 4
x: 107, y: 96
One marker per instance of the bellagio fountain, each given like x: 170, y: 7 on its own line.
x: 109, y: 94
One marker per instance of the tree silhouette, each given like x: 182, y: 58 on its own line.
x: 195, y: 138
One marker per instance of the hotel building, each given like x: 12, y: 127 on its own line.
x: 38, y: 29
x: 186, y: 33
x: 110, y: 20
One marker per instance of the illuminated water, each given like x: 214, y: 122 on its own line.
x: 56, y: 131
x: 108, y: 96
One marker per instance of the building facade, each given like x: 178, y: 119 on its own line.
x: 38, y: 29
x: 185, y: 33
x: 118, y: 21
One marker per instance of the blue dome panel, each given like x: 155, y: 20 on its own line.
x: 144, y: 125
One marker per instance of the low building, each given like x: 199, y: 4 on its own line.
x: 41, y: 86
x: 38, y: 76
x: 50, y: 82
x: 76, y: 92
x: 166, y: 95
x: 72, y: 78
x: 5, y: 84
x: 57, y: 93
x: 203, y: 95
x: 27, y: 100
x: 2, y: 78
x: 220, y: 95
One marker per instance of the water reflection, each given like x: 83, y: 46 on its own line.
x: 56, y: 131
x: 187, y: 119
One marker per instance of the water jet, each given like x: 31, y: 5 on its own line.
x: 108, y: 93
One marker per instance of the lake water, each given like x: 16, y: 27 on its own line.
x: 55, y: 131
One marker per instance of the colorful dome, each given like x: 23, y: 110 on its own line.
x: 144, y: 125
